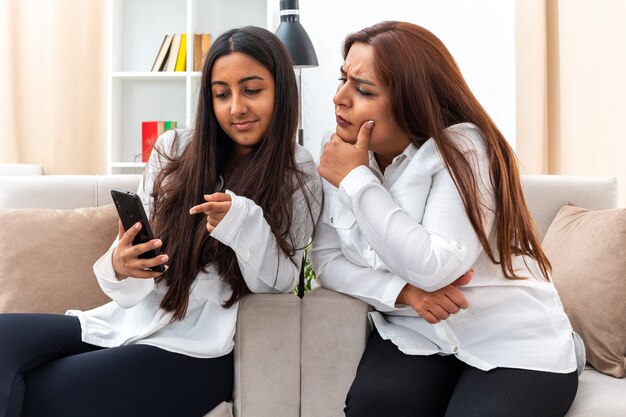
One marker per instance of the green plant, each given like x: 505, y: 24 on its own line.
x: 309, y: 273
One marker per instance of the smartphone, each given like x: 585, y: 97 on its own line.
x: 130, y: 209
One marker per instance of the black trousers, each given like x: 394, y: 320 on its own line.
x: 391, y: 384
x: 47, y: 371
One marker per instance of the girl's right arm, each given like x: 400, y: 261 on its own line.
x: 119, y: 271
x: 127, y: 292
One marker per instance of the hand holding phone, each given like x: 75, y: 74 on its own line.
x: 137, y: 254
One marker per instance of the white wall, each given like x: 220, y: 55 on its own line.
x: 479, y: 33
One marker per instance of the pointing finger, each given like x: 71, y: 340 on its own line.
x: 211, y: 207
x: 217, y: 197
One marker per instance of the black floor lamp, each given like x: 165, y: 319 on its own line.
x: 298, y: 44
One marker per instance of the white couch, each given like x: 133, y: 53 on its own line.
x: 298, y: 358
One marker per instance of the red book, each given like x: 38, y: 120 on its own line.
x: 149, y: 135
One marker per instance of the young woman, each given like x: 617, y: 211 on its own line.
x: 420, y: 186
x: 233, y: 204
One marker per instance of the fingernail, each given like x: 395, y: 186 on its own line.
x: 369, y: 124
x: 137, y: 225
x: 164, y: 258
x: 191, y: 211
x: 157, y: 243
x: 207, y: 197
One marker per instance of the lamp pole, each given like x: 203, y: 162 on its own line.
x: 300, y: 129
x: 300, y: 48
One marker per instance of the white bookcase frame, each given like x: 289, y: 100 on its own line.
x: 135, y: 94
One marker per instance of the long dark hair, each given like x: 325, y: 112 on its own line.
x: 266, y: 176
x: 428, y: 94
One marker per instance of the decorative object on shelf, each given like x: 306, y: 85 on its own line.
x: 150, y: 131
x: 298, y: 44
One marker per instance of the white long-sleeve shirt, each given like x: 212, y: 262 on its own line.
x: 207, y: 330
x: 378, y: 232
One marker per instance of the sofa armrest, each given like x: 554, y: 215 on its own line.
x: 335, y: 329
x: 21, y: 169
x: 62, y: 191
x: 267, y: 356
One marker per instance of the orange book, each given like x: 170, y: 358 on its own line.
x: 206, y: 44
x: 197, y: 52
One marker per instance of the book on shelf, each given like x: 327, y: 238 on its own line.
x: 150, y: 131
x: 206, y: 44
x: 173, y: 55
x: 161, y: 59
x: 181, y: 61
x: 197, y: 52
x: 201, y: 45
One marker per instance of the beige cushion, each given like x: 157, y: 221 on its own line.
x: 588, y: 254
x: 46, y: 258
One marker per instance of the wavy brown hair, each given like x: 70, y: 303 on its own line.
x: 429, y: 94
x: 269, y: 176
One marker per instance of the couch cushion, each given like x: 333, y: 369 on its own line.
x: 588, y: 254
x: 267, y: 356
x: 335, y: 329
x: 47, y: 258
x: 599, y: 396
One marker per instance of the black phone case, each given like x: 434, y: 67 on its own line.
x: 130, y: 210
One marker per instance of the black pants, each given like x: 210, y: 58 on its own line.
x: 47, y: 371
x: 391, y: 384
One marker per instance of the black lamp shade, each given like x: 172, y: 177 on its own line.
x: 294, y: 37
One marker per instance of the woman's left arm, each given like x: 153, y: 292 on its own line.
x: 430, y: 253
x: 264, y: 266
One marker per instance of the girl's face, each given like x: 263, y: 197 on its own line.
x: 243, y: 98
x: 361, y: 97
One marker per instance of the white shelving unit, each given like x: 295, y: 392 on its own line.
x: 135, y: 94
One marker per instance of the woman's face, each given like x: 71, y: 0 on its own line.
x: 243, y: 98
x: 360, y: 97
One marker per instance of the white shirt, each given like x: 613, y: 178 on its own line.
x: 379, y: 232
x: 207, y: 330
